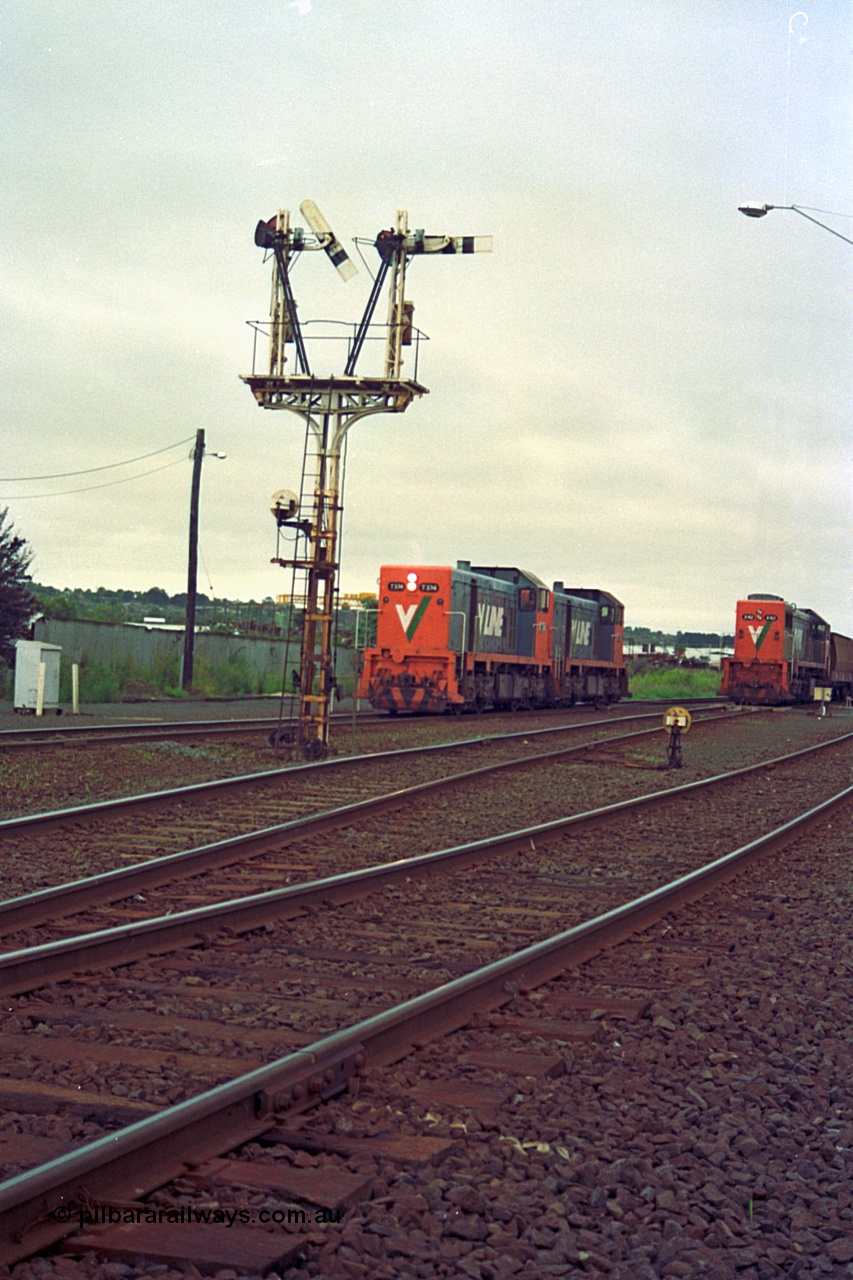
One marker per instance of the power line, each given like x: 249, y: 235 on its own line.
x: 829, y: 213
x: 60, y: 493
x: 62, y: 475
x: 206, y: 570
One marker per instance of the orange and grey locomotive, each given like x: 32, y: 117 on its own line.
x: 475, y: 638
x: 783, y: 654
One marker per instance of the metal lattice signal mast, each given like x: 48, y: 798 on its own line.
x: 329, y: 406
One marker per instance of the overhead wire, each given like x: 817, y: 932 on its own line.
x: 829, y: 213
x: 110, y: 466
x: 89, y: 488
x: 206, y: 570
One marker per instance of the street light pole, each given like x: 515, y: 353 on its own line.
x: 761, y: 210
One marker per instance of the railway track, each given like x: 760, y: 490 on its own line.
x: 445, y: 955
x: 93, y: 837
x: 100, y: 734
x: 254, y: 864
x: 261, y: 726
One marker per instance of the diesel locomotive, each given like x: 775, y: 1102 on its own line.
x: 475, y: 638
x: 782, y: 654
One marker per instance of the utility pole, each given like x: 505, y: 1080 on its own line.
x: 192, y: 574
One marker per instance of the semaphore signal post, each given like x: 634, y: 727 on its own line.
x: 328, y: 405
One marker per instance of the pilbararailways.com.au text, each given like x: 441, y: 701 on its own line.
x: 189, y: 1215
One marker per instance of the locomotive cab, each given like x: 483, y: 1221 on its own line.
x: 781, y: 653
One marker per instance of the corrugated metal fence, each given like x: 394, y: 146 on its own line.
x: 113, y: 645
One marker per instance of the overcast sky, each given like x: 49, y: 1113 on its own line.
x: 640, y: 389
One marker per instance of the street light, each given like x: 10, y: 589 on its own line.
x: 760, y: 210
x: 197, y: 456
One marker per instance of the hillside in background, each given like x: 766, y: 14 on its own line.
x: 214, y: 614
x: 103, y: 605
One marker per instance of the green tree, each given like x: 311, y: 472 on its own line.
x: 155, y: 595
x: 107, y: 613
x: 16, y: 602
x: 59, y: 605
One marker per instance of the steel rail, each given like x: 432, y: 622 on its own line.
x: 81, y: 735
x: 33, y: 967
x: 77, y: 735
x: 99, y: 808
x: 38, y: 1207
x: 66, y: 899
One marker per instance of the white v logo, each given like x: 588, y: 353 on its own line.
x: 406, y: 615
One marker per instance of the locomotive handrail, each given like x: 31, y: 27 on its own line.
x: 460, y: 613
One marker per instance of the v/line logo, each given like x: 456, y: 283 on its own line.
x: 759, y: 634
x: 490, y: 619
x: 410, y: 616
x: 581, y: 631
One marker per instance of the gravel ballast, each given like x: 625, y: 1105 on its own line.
x: 710, y: 1133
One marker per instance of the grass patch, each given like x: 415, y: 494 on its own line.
x: 180, y: 749
x: 676, y: 683
x: 223, y: 679
x: 98, y: 681
x: 126, y: 679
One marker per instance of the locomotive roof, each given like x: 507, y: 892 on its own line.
x: 516, y: 575
x: 494, y: 571
x: 758, y: 598
x: 590, y: 593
